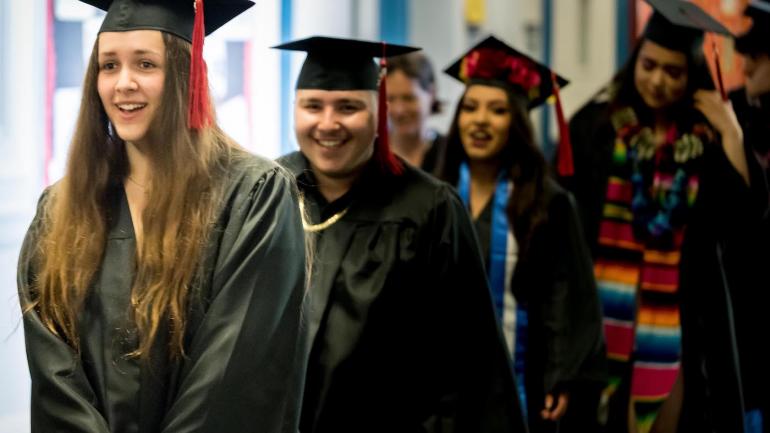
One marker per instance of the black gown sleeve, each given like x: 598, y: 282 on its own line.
x: 592, y: 138
x: 571, y: 311
x: 481, y: 391
x: 62, y: 399
x: 246, y: 362
x: 581, y: 132
x: 709, y: 351
x: 566, y: 350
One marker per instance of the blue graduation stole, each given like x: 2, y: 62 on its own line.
x: 499, y: 272
x: 753, y: 421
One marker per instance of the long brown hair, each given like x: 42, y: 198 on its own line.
x: 183, y: 196
x: 523, y: 162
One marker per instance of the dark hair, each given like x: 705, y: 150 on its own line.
x: 625, y: 94
x: 523, y: 160
x: 417, y: 67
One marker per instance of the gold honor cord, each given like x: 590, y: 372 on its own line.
x: 323, y: 225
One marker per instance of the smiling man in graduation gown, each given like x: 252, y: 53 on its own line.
x: 404, y: 334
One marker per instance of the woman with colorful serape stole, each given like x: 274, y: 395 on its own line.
x: 536, y: 258
x: 660, y: 174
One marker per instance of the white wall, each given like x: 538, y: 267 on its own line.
x: 261, y: 26
x: 21, y: 144
x: 583, y: 47
x: 327, y: 17
x: 366, y: 20
x: 439, y: 27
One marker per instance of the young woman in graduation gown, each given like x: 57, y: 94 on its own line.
x: 536, y: 259
x: 404, y: 337
x: 660, y: 178
x: 162, y: 279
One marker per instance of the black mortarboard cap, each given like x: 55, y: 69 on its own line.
x: 341, y: 64
x: 679, y: 25
x: 170, y: 16
x: 757, y: 39
x: 492, y: 61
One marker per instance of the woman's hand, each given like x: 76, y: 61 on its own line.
x: 721, y: 116
x: 719, y: 113
x: 554, y: 412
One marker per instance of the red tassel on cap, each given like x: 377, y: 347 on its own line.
x: 717, y: 64
x: 564, y: 164
x: 199, y: 115
x: 388, y: 162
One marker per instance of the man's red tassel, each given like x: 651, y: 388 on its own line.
x: 388, y: 162
x: 564, y: 165
x: 199, y: 115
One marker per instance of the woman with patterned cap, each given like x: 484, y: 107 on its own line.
x: 532, y: 243
x: 162, y: 279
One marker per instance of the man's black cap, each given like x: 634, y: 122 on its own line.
x: 341, y: 64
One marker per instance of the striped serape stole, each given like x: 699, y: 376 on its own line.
x: 638, y: 290
x: 658, y: 336
x: 617, y: 271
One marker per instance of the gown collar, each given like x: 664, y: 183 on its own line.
x: 121, y: 224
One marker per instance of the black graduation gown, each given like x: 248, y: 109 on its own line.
x: 712, y: 387
x: 436, y: 155
x: 404, y: 334
x: 555, y: 280
x: 245, y: 348
x: 747, y: 254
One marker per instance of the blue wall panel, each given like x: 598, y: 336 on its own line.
x: 287, y: 145
x: 394, y: 21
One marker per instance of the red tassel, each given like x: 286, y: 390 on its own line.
x: 199, y: 115
x: 720, y: 81
x: 388, y: 162
x: 564, y: 165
